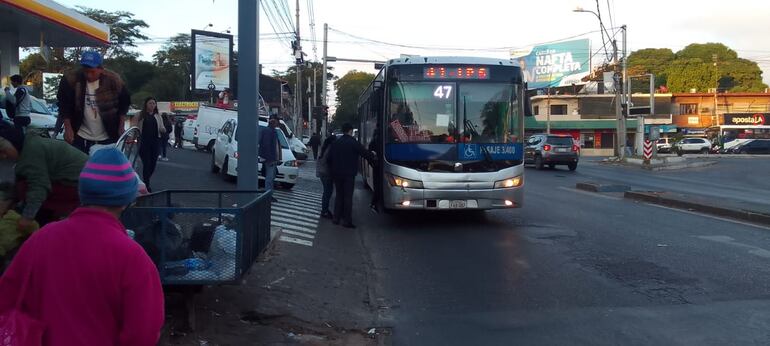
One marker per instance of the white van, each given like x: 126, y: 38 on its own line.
x: 209, y: 122
x: 224, y: 155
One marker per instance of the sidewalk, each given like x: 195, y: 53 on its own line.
x: 735, y: 209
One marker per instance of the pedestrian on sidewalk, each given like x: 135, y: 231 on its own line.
x: 314, y: 142
x: 151, y: 124
x: 270, y: 152
x: 46, y: 172
x: 93, y: 103
x: 83, y: 279
x: 165, y: 136
x: 323, y: 171
x: 343, y: 160
x: 18, y: 104
x: 178, y: 129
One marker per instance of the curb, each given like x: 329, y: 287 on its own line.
x: 680, y: 166
x: 661, y: 199
x: 596, y: 187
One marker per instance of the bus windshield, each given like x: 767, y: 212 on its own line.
x: 422, y: 113
x: 489, y: 112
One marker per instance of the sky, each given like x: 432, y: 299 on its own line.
x: 480, y: 28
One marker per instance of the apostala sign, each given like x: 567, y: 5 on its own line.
x: 746, y: 119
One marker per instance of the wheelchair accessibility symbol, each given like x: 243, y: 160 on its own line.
x: 470, y: 151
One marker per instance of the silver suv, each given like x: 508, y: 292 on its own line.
x: 692, y: 145
x: 551, y: 150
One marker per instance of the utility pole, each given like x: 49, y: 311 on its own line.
x: 626, y: 88
x: 716, y: 87
x: 323, y: 83
x: 248, y: 85
x: 309, y: 105
x: 313, y: 120
x: 297, y: 91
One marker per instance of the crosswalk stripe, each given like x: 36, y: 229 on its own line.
x: 297, y: 196
x: 283, y: 214
x: 299, y: 234
x: 298, y: 211
x: 298, y: 192
x: 300, y: 208
x: 293, y: 227
x: 295, y: 240
x: 308, y: 204
x: 296, y: 222
x: 306, y: 207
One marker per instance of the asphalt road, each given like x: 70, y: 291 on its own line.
x: 569, y: 268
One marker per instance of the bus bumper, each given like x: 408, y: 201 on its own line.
x: 430, y: 199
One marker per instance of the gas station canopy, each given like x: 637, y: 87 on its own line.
x: 43, y: 21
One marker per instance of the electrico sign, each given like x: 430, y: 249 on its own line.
x: 750, y: 119
x: 555, y: 64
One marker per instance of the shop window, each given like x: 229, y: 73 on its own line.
x: 688, y: 108
x: 587, y: 140
x: 607, y: 140
x: 558, y: 109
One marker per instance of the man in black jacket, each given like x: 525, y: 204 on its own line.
x: 343, y: 161
x: 93, y: 103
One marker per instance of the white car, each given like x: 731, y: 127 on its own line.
x: 40, y: 117
x: 692, y: 145
x: 664, y: 144
x: 224, y: 156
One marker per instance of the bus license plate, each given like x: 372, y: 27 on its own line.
x: 457, y: 204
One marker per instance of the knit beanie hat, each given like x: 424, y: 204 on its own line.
x: 108, y: 180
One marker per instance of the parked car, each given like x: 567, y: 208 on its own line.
x: 692, y: 145
x: 754, y: 146
x: 299, y: 149
x: 224, y: 156
x: 551, y: 150
x: 664, y: 145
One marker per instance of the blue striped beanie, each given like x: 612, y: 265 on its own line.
x: 108, y: 180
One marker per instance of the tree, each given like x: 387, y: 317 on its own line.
x: 290, y: 76
x: 694, y: 67
x: 651, y: 60
x: 125, y: 30
x: 349, y: 88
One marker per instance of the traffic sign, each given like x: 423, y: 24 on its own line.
x: 647, y: 150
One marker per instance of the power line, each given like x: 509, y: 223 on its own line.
x: 311, y: 15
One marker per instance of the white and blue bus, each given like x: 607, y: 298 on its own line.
x: 451, y: 133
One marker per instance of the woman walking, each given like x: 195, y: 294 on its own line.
x: 152, y: 127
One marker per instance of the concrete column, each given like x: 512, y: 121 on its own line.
x: 9, y: 57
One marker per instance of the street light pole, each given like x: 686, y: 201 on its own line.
x: 323, y: 83
x: 248, y: 88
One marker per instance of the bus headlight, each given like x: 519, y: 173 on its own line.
x: 404, y: 183
x: 508, y: 183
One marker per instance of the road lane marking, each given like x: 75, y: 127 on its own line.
x: 298, y: 193
x: 293, y: 227
x: 710, y: 216
x: 757, y: 251
x: 282, y: 214
x: 299, y: 234
x: 298, y: 205
x: 295, y: 222
x: 295, y: 240
x: 594, y: 194
x: 299, y: 209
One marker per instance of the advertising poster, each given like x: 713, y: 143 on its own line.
x: 555, y: 64
x: 212, y: 57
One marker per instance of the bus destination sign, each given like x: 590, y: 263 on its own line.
x: 460, y: 72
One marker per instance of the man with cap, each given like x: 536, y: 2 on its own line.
x: 84, y: 278
x: 93, y: 103
x: 47, y: 173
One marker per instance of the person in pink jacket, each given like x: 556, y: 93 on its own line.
x: 89, y: 282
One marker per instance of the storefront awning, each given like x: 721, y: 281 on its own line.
x: 532, y: 123
x: 36, y: 21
